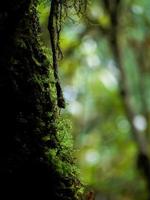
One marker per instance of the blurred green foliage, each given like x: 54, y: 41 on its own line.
x: 106, y: 150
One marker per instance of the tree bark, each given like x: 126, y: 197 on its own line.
x: 29, y: 112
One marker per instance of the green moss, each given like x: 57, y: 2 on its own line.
x: 39, y: 136
x: 61, y: 158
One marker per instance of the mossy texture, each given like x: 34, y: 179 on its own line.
x: 36, y: 148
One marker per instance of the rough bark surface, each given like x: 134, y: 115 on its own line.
x: 29, y: 112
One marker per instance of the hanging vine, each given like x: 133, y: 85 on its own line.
x: 58, y: 10
x: 54, y: 28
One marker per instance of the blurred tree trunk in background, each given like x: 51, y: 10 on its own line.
x: 29, y: 112
x: 113, y: 9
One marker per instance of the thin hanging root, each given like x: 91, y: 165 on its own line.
x: 57, y: 10
x: 54, y: 27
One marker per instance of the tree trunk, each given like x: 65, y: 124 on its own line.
x: 34, y: 162
x: 143, y: 159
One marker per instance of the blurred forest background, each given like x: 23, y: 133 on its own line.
x: 105, y: 75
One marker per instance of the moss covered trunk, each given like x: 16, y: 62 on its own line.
x: 34, y: 159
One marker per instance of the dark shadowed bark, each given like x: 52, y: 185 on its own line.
x: 32, y: 163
